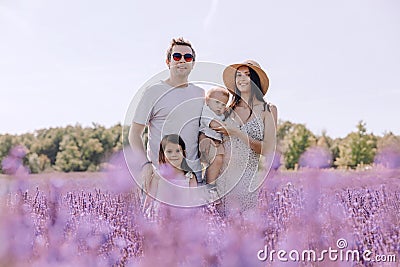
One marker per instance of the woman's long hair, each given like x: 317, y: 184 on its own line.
x: 254, y: 92
x: 174, y: 139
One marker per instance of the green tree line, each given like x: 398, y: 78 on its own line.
x: 77, y: 148
x: 358, y: 149
x: 66, y: 149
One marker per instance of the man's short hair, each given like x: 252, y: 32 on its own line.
x: 179, y: 41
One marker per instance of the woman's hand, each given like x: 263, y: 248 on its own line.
x: 228, y: 128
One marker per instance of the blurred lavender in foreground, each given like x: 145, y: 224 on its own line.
x: 388, y: 157
x: 316, y: 157
x: 276, y: 163
x: 98, y: 221
x: 13, y: 163
x: 119, y: 179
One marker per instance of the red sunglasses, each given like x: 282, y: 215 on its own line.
x: 178, y: 56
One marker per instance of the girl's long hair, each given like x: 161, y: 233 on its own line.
x: 254, y: 92
x: 174, y: 139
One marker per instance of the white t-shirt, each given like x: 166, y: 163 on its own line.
x: 171, y: 110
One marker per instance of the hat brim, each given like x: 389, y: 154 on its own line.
x: 229, y: 75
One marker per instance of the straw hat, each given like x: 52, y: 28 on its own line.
x: 230, y: 72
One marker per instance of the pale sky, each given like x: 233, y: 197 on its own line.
x: 330, y: 63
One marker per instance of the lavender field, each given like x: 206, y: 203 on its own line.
x: 94, y: 219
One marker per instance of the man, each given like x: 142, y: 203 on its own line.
x: 172, y: 106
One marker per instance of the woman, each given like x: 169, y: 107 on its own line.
x: 249, y: 132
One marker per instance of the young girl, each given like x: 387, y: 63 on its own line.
x: 173, y: 170
x: 172, y: 161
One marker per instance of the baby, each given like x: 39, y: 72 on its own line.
x: 211, y: 148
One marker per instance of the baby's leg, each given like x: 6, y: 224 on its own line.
x: 204, y: 149
x: 215, y: 167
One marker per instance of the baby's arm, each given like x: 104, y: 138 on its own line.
x: 215, y: 124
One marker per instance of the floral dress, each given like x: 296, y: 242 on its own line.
x: 239, y: 169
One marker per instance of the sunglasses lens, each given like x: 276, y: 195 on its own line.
x: 188, y: 57
x: 177, y: 56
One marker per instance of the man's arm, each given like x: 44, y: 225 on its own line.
x: 136, y: 142
x: 144, y: 168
